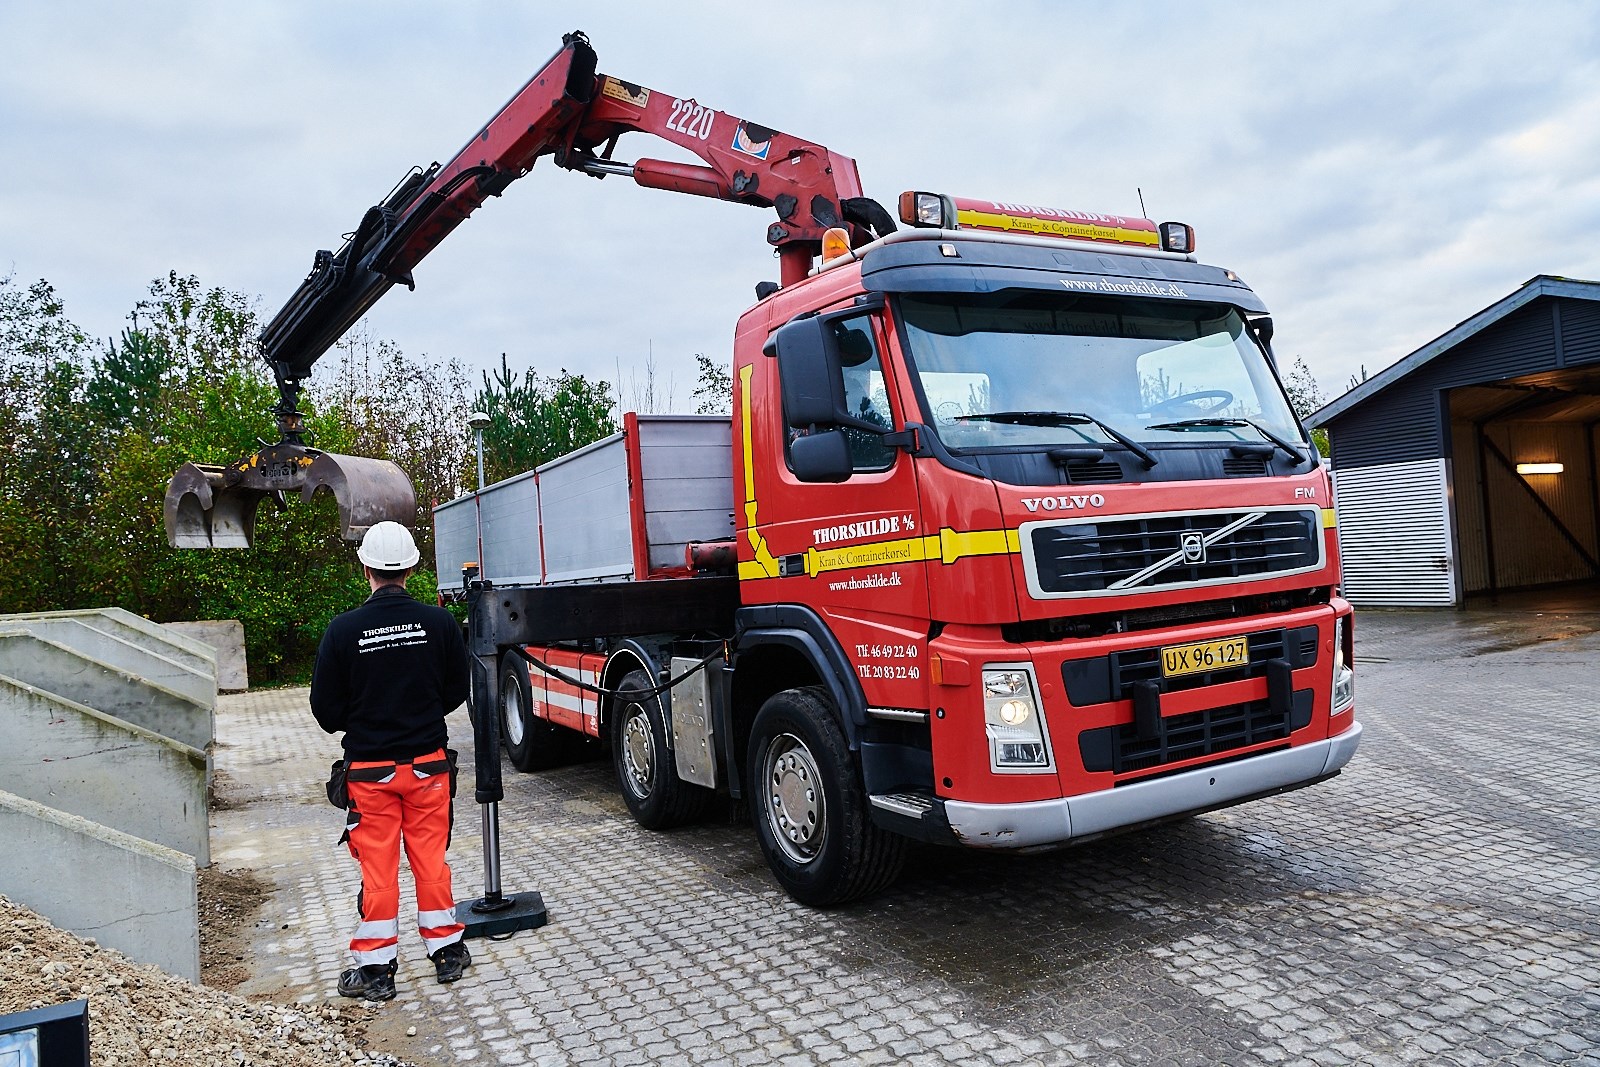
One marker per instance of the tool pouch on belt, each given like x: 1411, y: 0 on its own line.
x: 338, y: 785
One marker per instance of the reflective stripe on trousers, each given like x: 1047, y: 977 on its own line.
x: 411, y: 807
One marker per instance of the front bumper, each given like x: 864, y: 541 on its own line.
x: 1042, y: 823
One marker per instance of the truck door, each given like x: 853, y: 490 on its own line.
x: 850, y: 550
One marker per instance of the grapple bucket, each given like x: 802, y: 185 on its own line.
x: 210, y: 506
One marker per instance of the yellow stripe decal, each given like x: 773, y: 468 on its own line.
x: 1087, y: 231
x: 1330, y: 518
x: 763, y: 566
x: 947, y: 546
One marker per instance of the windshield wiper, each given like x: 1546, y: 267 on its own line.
x: 1063, y: 418
x: 1185, y: 424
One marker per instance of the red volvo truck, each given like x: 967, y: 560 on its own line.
x: 1012, y: 539
x: 1022, y: 545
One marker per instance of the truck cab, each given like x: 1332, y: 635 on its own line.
x: 1037, y: 523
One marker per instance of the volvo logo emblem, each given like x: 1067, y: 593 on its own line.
x: 1194, y: 547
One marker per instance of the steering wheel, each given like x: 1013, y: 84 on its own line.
x: 1221, y: 397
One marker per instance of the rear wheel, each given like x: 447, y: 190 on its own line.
x: 809, y: 807
x: 534, y: 744
x: 646, y: 772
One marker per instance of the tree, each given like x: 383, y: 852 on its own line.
x: 536, y: 418
x: 46, y: 468
x: 411, y: 411
x: 714, y: 390
x: 1305, y: 396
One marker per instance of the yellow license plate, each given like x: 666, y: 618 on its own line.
x: 1204, y: 656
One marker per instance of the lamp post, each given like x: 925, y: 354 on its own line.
x: 479, y: 421
x: 494, y: 913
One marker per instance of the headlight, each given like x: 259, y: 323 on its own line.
x: 1012, y: 721
x: 1344, y: 675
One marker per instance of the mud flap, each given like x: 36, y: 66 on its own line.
x: 210, y: 506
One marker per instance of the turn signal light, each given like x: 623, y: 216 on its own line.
x: 835, y: 243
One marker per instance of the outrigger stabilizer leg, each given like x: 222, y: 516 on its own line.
x: 213, y: 506
x: 496, y: 913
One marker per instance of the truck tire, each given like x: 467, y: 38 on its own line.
x: 534, y: 744
x: 646, y: 773
x: 809, y: 807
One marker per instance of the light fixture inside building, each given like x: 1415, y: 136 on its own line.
x: 1540, y: 468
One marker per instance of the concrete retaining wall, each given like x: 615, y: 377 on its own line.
x: 82, y: 679
x: 87, y: 763
x: 79, y: 634
x: 136, y: 897
x: 226, y: 637
x: 136, y: 630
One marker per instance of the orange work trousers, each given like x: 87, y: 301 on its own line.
x: 391, y: 803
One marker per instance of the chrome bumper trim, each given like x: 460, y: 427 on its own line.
x: 1053, y: 822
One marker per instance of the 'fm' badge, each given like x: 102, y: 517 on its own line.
x: 1194, y: 547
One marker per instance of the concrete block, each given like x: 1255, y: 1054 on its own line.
x: 139, y: 660
x: 68, y: 673
x: 226, y: 638
x: 137, y: 630
x: 85, y: 762
x: 139, y: 898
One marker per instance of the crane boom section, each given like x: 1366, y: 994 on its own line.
x: 574, y: 115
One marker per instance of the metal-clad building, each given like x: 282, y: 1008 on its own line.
x: 1434, y: 458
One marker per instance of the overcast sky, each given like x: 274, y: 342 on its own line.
x: 1376, y: 171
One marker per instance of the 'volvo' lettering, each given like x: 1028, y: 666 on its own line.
x: 1072, y: 502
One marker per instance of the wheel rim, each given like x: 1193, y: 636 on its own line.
x: 511, y: 714
x: 638, y: 751
x: 796, y: 807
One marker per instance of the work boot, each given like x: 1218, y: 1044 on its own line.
x: 451, y: 961
x: 372, y: 982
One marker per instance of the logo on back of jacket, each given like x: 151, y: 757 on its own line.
x: 403, y: 635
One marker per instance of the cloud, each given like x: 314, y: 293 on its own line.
x: 1378, y: 171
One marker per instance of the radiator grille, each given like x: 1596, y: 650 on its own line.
x: 1161, y: 551
x: 1199, y: 733
x: 1102, y: 473
x: 1244, y: 466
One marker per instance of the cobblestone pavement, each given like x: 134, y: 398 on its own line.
x: 1437, y: 903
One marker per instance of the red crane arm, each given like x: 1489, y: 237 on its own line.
x: 574, y: 115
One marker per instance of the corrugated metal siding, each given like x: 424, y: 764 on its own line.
x: 1528, y: 549
x: 1394, y: 534
x: 1398, y: 425
x: 1580, y: 331
x: 1522, y: 342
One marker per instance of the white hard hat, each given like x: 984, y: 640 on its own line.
x: 388, y: 546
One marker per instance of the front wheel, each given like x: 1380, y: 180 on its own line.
x: 646, y: 772
x: 809, y: 807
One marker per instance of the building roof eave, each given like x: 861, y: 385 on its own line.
x: 1539, y: 286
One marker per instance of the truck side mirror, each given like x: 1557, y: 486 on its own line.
x: 808, y: 372
x: 821, y: 457
x: 812, y: 353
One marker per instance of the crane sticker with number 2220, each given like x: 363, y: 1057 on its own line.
x: 1204, y: 656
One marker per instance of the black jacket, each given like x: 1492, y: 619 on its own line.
x: 387, y: 674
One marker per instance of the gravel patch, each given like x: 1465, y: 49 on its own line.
x: 139, y: 1014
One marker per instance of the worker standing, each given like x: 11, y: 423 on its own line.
x: 387, y: 674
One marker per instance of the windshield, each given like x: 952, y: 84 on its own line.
x: 1011, y: 369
